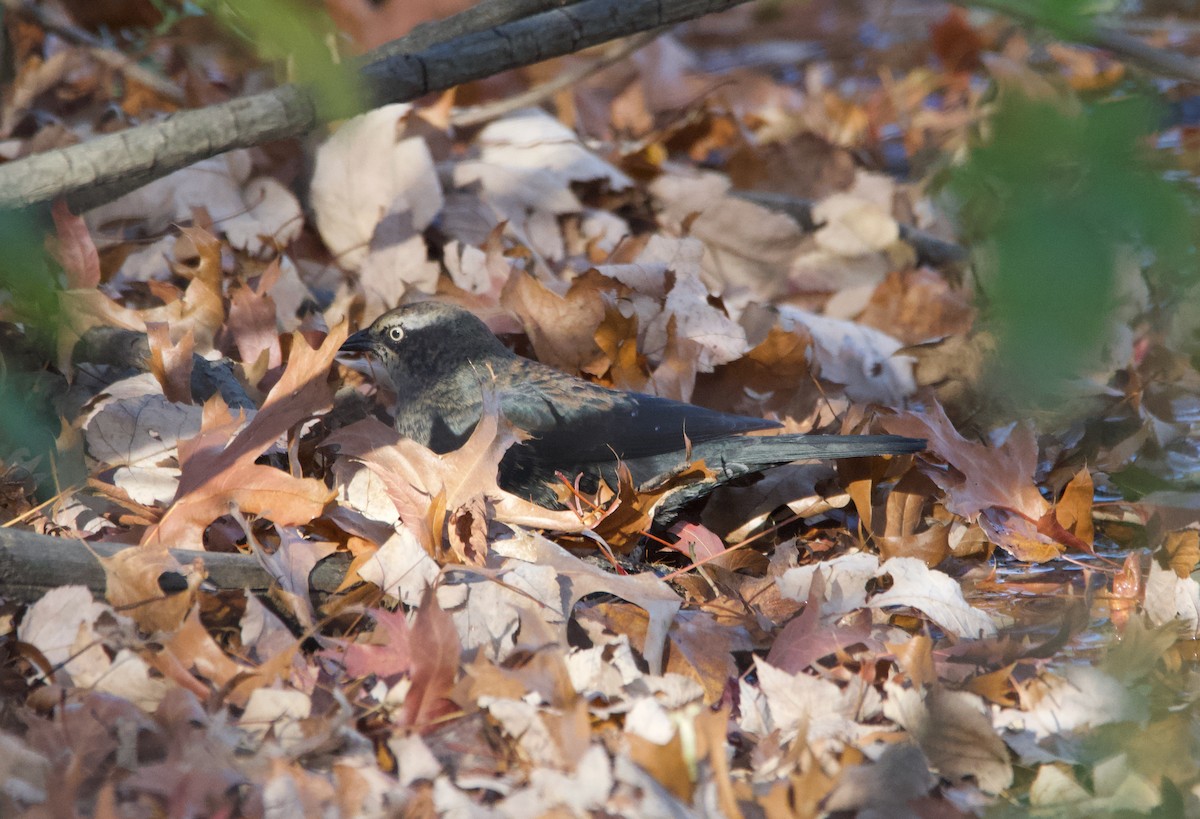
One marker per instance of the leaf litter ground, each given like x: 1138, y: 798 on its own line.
x: 1005, y: 622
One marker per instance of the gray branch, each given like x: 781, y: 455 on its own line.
x: 102, y: 169
x: 32, y: 564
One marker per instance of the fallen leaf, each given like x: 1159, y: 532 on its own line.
x: 953, y: 731
x: 74, y: 248
x: 645, y: 590
x: 435, y: 659
x: 933, y: 593
x: 992, y: 486
x: 368, y: 169
x: 218, y: 466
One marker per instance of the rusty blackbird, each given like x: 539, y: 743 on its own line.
x: 440, y: 358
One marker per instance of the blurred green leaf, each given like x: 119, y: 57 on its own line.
x: 305, y: 37
x: 29, y: 290
x: 1051, y: 200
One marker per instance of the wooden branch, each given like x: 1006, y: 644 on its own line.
x: 480, y: 17
x: 102, y: 169
x: 32, y: 564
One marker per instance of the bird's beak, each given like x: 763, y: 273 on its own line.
x: 360, y: 342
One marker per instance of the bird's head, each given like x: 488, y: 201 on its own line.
x: 426, y: 339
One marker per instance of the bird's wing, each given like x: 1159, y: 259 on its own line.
x: 576, y: 422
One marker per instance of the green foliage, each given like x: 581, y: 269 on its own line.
x: 1050, y: 200
x: 29, y: 288
x: 1069, y: 19
x: 304, y: 36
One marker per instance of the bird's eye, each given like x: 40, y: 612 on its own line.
x: 396, y: 333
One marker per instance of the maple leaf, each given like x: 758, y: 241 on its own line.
x: 218, y: 467
x: 428, y: 488
x: 385, y: 652
x: 992, y: 486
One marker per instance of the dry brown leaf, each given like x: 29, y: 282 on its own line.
x: 256, y: 215
x: 435, y: 661
x: 773, y: 378
x: 218, y: 466
x: 806, y: 639
x: 645, y: 590
x: 148, y: 584
x: 666, y: 763
x: 915, y: 658
x: 74, y: 249
x: 887, y: 787
x: 171, y: 363
x: 426, y: 488
x: 954, y: 733
x: 702, y: 647
x: 561, y: 328
x: 623, y: 365
x: 990, y: 485
x: 746, y: 244
x: 917, y: 305
x: 1074, y: 509
x: 367, y: 169
x: 190, y: 655
x: 385, y: 652
x: 252, y: 325
x: 1182, y: 550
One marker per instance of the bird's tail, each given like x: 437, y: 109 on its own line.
x: 733, y: 457
x: 758, y: 452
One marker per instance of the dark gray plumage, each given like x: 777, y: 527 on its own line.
x: 440, y: 358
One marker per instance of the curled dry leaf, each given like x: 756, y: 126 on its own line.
x: 992, y: 486
x: 644, y: 590
x: 427, y: 488
x: 149, y: 585
x: 218, y: 466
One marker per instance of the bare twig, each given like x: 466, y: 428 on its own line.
x: 539, y: 93
x: 104, y: 168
